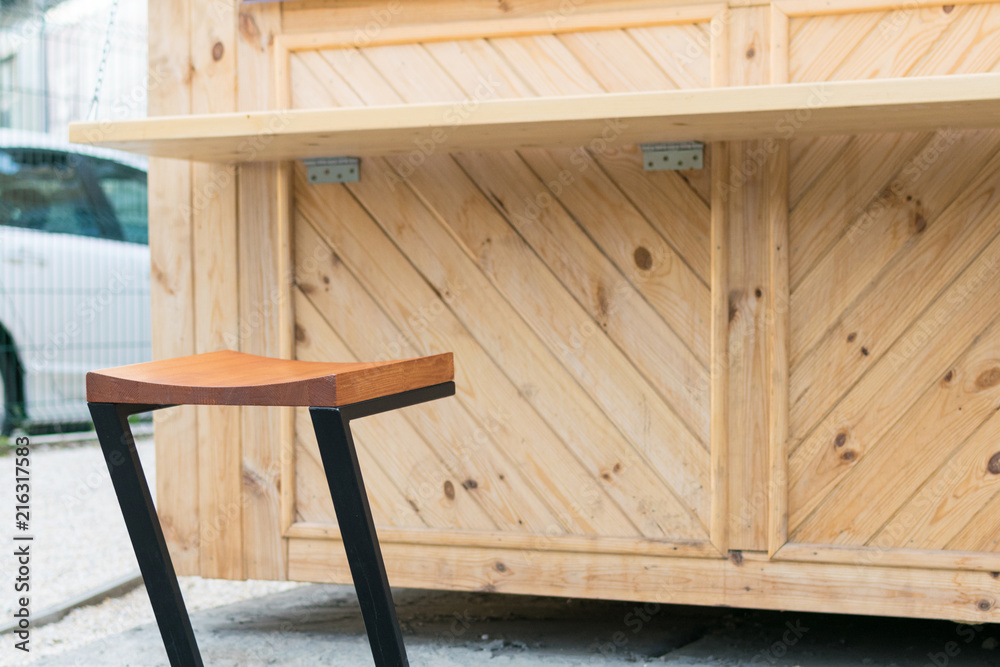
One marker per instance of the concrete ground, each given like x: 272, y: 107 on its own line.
x: 321, y: 625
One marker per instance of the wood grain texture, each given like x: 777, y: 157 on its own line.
x: 236, y: 378
x: 754, y: 582
x: 747, y: 201
x: 172, y: 284
x: 732, y: 113
x: 213, y: 81
x: 265, y: 317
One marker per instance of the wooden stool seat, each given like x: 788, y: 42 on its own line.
x: 235, y: 378
x: 335, y: 393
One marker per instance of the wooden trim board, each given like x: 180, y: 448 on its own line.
x: 718, y: 114
x: 751, y: 581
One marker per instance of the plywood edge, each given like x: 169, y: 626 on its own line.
x: 879, y: 557
x: 750, y: 582
x: 531, y: 542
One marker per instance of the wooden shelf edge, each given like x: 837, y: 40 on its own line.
x: 713, y: 114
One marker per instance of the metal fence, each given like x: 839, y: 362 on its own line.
x: 74, y: 259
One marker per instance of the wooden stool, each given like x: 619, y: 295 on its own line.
x: 335, y: 393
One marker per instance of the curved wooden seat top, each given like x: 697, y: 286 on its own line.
x: 235, y: 378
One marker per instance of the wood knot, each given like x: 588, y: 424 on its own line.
x: 470, y: 484
x: 864, y: 351
x: 751, y: 52
x: 758, y: 293
x: 449, y: 490
x: 988, y: 379
x: 994, y: 464
x: 851, y: 337
x: 643, y: 258
x: 984, y: 605
x: 499, y: 567
x: 300, y: 334
x: 617, y: 467
x: 947, y: 9
x: 218, y: 50
x: 919, y: 223
x: 995, y: 575
x: 736, y: 557
x: 326, y: 280
x: 606, y: 476
x: 734, y: 298
x: 849, y: 455
x: 949, y: 376
x: 840, y: 440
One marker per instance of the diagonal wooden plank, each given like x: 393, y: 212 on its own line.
x: 950, y: 498
x: 913, y: 361
x: 971, y: 44
x: 596, y: 284
x: 839, y: 195
x: 616, y: 61
x: 672, y: 370
x: 545, y: 64
x: 550, y: 392
x: 462, y: 59
x: 835, y: 36
x: 819, y: 381
x: 473, y: 452
x: 967, y: 45
x: 312, y: 495
x: 316, y: 85
x: 898, y: 42
x: 375, y: 90
x: 921, y: 440
x: 667, y: 200
x: 910, y: 203
x: 639, y: 252
x: 627, y: 401
x: 982, y: 533
x: 681, y: 51
x: 410, y: 463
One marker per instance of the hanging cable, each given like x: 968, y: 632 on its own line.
x: 92, y: 114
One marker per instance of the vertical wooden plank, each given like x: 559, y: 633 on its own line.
x: 719, y: 424
x: 264, y: 300
x: 746, y: 207
x: 171, y: 284
x: 777, y: 306
x: 216, y: 296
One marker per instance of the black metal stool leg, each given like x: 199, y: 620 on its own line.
x: 111, y: 423
x: 340, y: 461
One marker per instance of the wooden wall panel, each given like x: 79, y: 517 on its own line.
x: 171, y: 286
x: 216, y: 295
x: 264, y: 300
x: 527, y: 221
x: 893, y: 266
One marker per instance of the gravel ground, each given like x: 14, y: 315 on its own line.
x: 81, y: 543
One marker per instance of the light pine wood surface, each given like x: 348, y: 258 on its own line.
x: 769, y: 383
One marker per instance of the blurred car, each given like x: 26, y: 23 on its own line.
x: 74, y: 274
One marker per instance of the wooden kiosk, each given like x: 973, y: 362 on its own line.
x: 770, y: 382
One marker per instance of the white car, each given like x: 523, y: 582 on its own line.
x: 74, y: 274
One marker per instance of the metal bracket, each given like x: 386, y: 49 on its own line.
x: 673, y: 156
x: 333, y: 169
